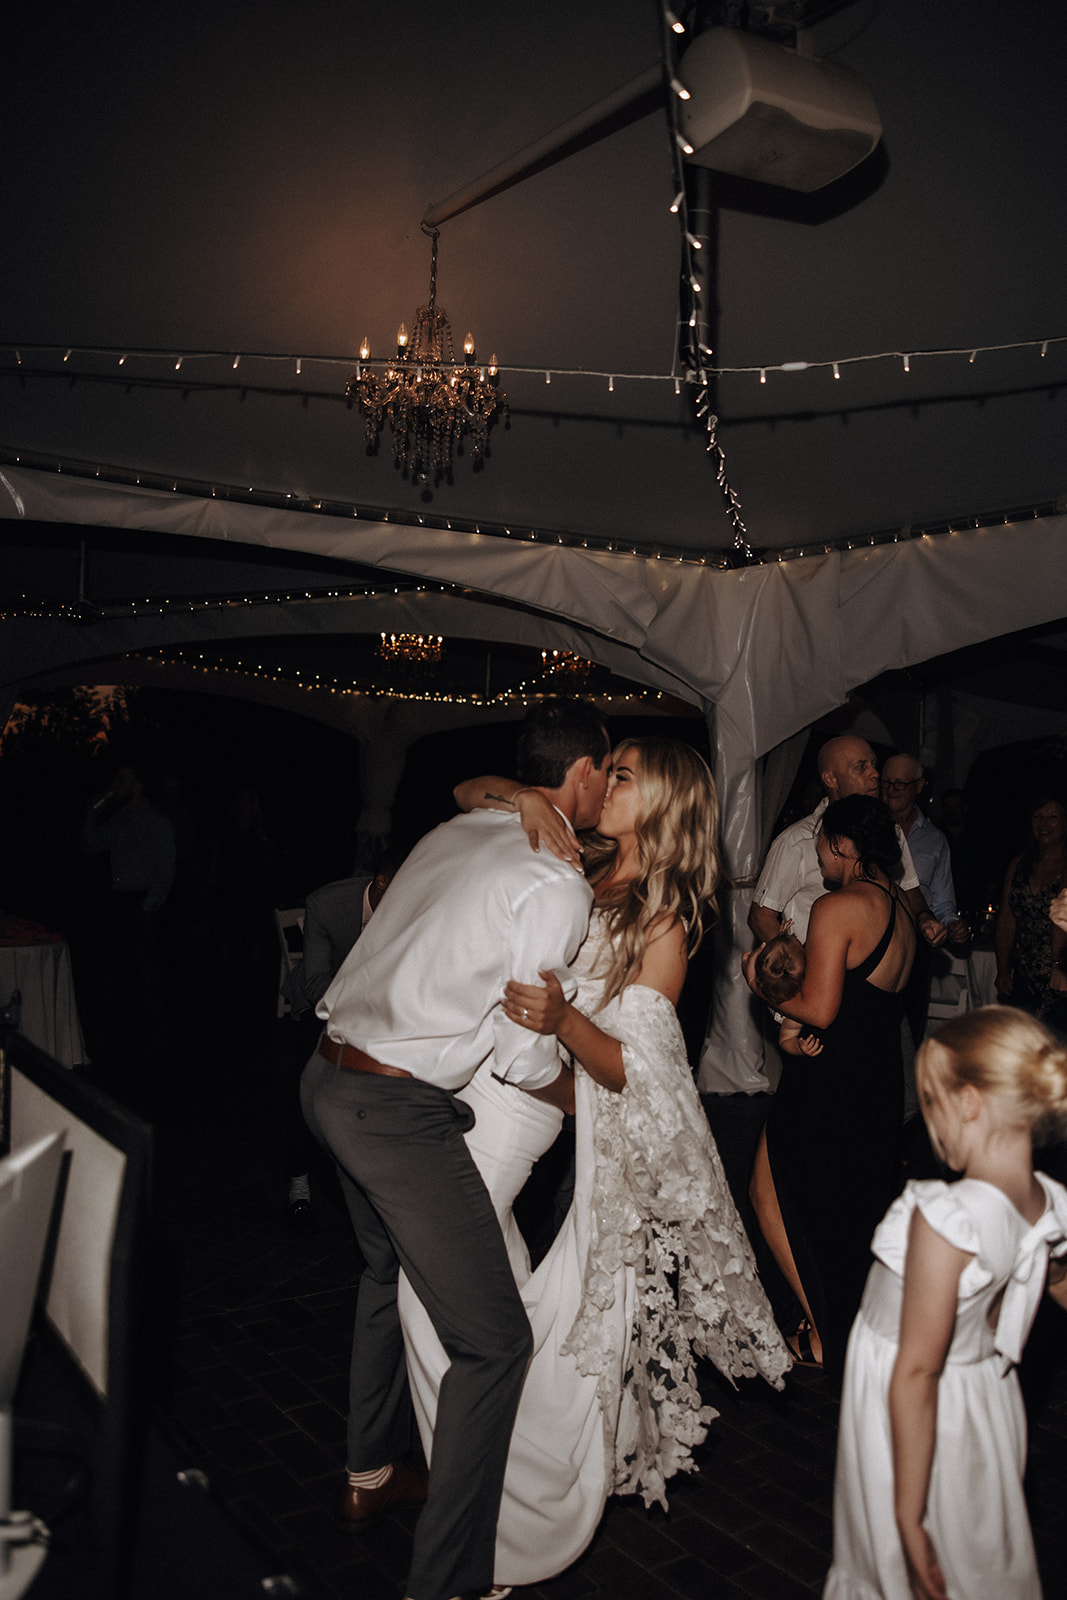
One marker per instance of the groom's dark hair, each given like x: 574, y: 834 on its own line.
x: 554, y: 735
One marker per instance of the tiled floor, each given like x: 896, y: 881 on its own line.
x: 256, y: 1383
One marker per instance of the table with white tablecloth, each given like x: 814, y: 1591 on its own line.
x: 40, y: 973
x: 982, y: 976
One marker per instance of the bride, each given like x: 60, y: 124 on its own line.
x: 651, y: 1267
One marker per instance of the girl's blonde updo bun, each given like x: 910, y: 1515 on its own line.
x: 1007, y: 1053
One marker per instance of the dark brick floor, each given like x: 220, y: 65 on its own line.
x: 255, y: 1387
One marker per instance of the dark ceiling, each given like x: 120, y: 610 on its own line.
x: 248, y: 179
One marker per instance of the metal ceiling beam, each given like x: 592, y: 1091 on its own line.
x: 549, y: 148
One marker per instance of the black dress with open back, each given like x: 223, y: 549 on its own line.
x: 833, y: 1141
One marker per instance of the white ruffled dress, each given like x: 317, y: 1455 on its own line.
x: 651, y: 1268
x: 976, y: 1514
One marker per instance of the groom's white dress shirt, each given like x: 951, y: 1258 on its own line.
x: 471, y: 907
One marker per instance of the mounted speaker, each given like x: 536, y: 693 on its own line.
x: 759, y: 110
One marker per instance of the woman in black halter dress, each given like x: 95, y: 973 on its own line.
x: 832, y: 1137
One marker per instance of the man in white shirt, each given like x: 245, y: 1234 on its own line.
x: 791, y: 880
x: 413, y: 1012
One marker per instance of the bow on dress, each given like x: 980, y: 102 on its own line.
x: 1022, y: 1293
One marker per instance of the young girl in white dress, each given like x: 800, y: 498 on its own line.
x: 652, y: 1266
x: 928, y: 1497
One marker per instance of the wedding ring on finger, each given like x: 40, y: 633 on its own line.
x: 525, y: 1014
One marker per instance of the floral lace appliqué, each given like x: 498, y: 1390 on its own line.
x: 660, y: 1206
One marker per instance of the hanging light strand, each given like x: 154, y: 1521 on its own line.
x: 687, y: 342
x: 730, y: 497
x: 691, y: 318
x: 21, y: 354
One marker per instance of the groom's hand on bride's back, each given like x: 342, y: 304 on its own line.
x: 558, y: 1093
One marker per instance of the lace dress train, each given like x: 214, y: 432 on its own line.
x: 651, y: 1269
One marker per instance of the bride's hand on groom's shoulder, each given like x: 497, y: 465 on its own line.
x: 541, y: 1008
x: 544, y: 825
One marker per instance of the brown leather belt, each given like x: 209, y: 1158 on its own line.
x: 347, y: 1055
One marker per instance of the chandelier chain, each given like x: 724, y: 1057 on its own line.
x: 434, y: 235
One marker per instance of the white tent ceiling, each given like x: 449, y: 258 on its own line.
x: 249, y: 179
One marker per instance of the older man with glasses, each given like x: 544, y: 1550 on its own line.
x: 902, y: 784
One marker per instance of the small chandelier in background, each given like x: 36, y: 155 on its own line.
x: 414, y: 649
x: 434, y: 404
x: 566, y: 666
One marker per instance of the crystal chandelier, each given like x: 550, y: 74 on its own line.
x: 435, y: 405
x: 567, y: 666
x: 419, y: 649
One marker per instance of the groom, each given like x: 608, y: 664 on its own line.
x: 413, y: 1012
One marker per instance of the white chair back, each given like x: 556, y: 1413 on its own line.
x: 290, y: 929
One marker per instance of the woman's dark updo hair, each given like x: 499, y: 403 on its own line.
x: 868, y: 826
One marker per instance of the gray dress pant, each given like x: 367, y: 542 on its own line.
x: 417, y: 1201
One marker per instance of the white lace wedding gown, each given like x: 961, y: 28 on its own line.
x: 651, y: 1267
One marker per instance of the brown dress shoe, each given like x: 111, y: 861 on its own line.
x: 405, y: 1486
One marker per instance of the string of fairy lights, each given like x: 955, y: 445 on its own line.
x: 178, y: 605
x: 832, y: 365
x: 743, y: 551
x: 719, y: 560
x: 696, y: 354
x: 549, y: 680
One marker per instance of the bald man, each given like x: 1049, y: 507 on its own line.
x: 791, y: 880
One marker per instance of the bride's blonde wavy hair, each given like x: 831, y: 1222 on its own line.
x: 678, y: 855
